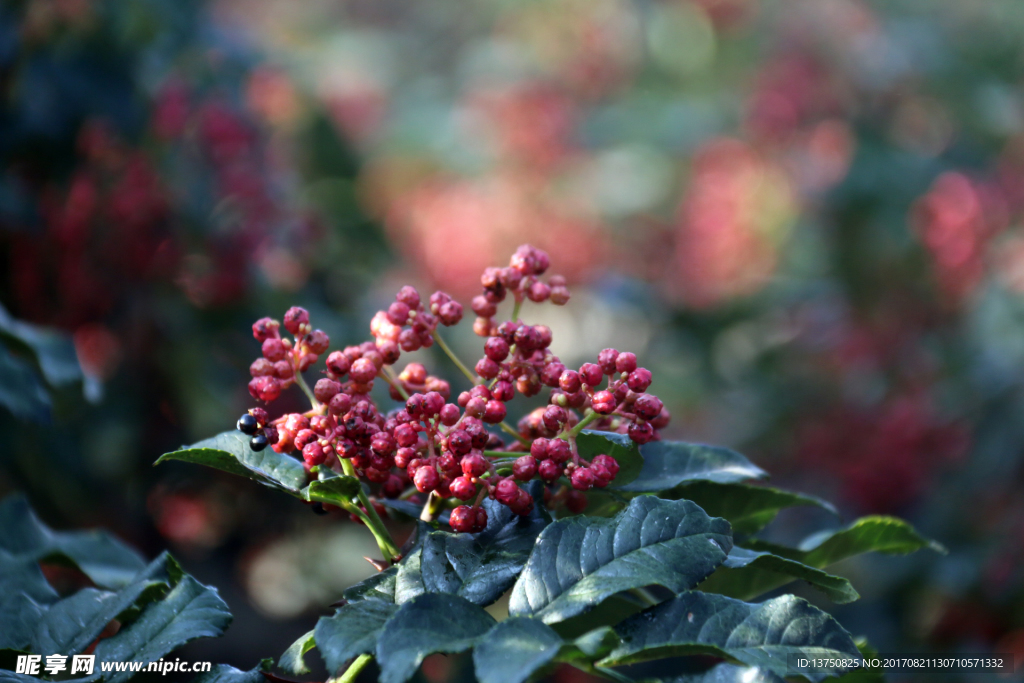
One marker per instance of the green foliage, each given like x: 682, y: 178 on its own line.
x: 577, y: 586
x: 158, y: 606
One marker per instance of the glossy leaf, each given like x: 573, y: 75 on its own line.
x: 191, y: 610
x: 668, y: 464
x: 746, y: 574
x: 336, y: 490
x: 352, y: 631
x: 224, y: 673
x: 580, y: 561
x: 619, y: 446
x: 24, y: 597
x: 761, y: 635
x: 728, y: 673
x: 293, y: 659
x: 21, y: 389
x: 518, y: 647
x: 99, y: 555
x: 378, y: 587
x: 747, y: 507
x: 478, y: 567
x: 433, y: 622
x: 230, y: 452
x: 878, y: 534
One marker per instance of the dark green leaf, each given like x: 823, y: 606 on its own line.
x: 223, y: 673
x: 478, y: 567
x: 24, y: 597
x: 728, y: 673
x: 54, y: 350
x: 70, y: 625
x: 337, y: 490
x: 378, y: 587
x: 864, y: 674
x: 746, y: 574
x: 580, y: 561
x: 619, y: 446
x: 21, y: 390
x: 759, y: 635
x: 191, y: 610
x: 430, y: 623
x: 670, y: 463
x: 293, y: 660
x: 515, y: 649
x: 100, y: 556
x: 878, y: 534
x: 747, y: 507
x: 352, y: 631
x: 230, y: 452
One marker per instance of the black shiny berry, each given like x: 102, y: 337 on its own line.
x: 258, y: 442
x: 247, y: 424
x: 318, y: 508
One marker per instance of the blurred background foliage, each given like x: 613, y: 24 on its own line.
x: 803, y: 215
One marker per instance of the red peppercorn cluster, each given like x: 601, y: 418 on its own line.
x: 447, y: 449
x: 283, y: 357
x: 521, y: 279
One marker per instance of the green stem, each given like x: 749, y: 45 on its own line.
x: 502, y: 454
x: 376, y: 526
x: 432, y: 508
x: 515, y: 309
x: 353, y: 670
x: 388, y: 376
x: 307, y: 391
x: 347, y: 467
x: 581, y: 425
x: 505, y: 426
x: 458, y: 363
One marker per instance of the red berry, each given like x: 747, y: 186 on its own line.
x: 338, y: 363
x: 538, y: 292
x: 476, y: 406
x: 383, y: 443
x: 639, y: 380
x: 555, y: 417
x: 463, y: 519
x: 551, y: 373
x: 463, y: 488
x: 283, y: 370
x: 264, y: 329
x: 313, y: 454
x: 604, y: 402
x: 662, y: 420
x: 494, y: 412
x: 318, y: 341
x: 450, y: 313
x: 507, y: 331
x: 325, y: 389
x: 433, y: 402
x: 398, y: 314
x: 474, y: 465
x: 607, y: 462
x: 625, y: 362
x: 506, y: 492
x: 449, y: 414
x: 426, y: 479
x: 295, y: 318
x: 459, y: 442
x: 591, y: 374
x: 480, y: 520
x: 523, y: 504
x: 265, y: 389
x: 503, y: 392
x: 582, y: 479
x: 261, y: 367
x: 524, y: 468
x: 606, y: 359
x: 549, y: 470
x: 487, y: 368
x: 404, y: 458
x: 409, y: 296
x: 483, y: 308
x: 340, y: 404
x: 647, y: 406
x: 640, y: 432
x: 273, y: 350
x: 570, y: 382
x: 576, y: 502
x: 496, y: 349
x: 539, y: 448
x: 392, y: 488
x: 558, y: 450
x: 389, y: 352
